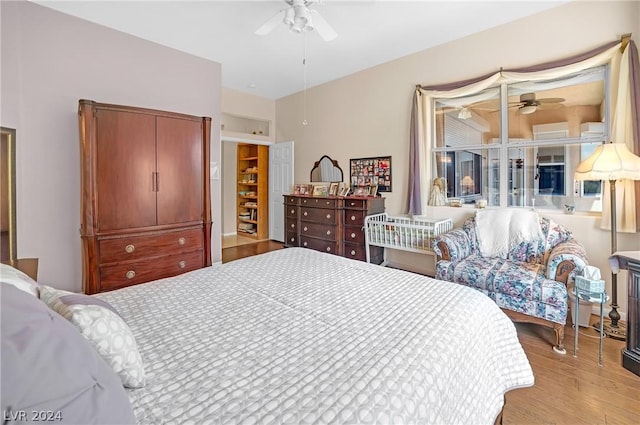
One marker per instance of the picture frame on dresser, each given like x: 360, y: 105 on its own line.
x: 361, y: 191
x: 320, y: 190
x: 333, y: 188
x: 344, y: 190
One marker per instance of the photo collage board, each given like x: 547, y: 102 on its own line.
x: 375, y: 171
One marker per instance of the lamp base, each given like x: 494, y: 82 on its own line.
x: 618, y: 332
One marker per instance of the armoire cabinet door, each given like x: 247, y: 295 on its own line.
x: 125, y: 166
x: 179, y: 184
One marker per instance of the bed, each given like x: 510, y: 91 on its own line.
x: 299, y: 336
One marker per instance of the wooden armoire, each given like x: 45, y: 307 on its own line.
x: 145, y: 194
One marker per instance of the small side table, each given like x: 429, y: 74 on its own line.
x: 592, y: 297
x: 28, y: 266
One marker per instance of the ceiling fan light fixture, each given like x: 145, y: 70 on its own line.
x: 528, y: 109
x: 464, y: 114
x: 289, y: 17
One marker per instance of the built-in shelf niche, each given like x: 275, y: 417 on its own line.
x: 237, y: 126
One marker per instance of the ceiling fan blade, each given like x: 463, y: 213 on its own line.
x: 322, y: 26
x: 273, y: 22
x: 551, y: 100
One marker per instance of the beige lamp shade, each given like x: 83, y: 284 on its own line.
x: 611, y: 161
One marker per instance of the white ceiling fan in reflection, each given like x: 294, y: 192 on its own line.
x: 298, y: 17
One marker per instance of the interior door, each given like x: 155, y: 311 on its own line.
x: 126, y: 161
x: 280, y: 183
x: 179, y: 178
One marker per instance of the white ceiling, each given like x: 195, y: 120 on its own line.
x: 369, y: 33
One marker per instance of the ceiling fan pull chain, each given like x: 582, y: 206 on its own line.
x: 304, y: 93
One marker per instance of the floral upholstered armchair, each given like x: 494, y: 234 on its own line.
x: 529, y: 283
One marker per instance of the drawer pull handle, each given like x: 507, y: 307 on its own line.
x: 353, y: 218
x: 182, y: 241
x: 328, y: 216
x: 304, y: 243
x: 293, y: 225
x: 328, y: 249
x: 130, y: 248
x: 353, y: 252
x: 293, y: 239
x: 130, y: 274
x: 353, y: 235
x: 305, y: 228
x: 328, y: 232
x: 293, y: 211
x: 182, y: 264
x: 305, y: 214
x: 352, y: 204
x: 328, y: 202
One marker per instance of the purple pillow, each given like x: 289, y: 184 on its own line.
x: 48, y: 366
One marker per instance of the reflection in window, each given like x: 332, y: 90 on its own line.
x: 552, y: 126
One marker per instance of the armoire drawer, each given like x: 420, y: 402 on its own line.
x: 142, y: 246
x: 319, y: 215
x: 143, y: 270
x: 318, y: 230
x: 319, y: 244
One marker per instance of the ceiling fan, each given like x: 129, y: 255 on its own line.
x: 298, y: 18
x: 528, y: 103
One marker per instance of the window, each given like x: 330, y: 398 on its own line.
x: 519, y: 144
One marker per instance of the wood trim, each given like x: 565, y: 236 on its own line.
x: 557, y: 327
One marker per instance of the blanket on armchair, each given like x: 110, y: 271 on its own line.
x: 500, y: 230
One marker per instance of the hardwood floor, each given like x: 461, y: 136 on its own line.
x: 568, y: 390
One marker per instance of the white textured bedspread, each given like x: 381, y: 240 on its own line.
x: 297, y: 336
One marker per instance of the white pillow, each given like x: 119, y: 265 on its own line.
x: 103, y: 327
x: 20, y: 280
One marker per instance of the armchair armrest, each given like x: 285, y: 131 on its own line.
x: 452, y: 246
x: 565, y: 260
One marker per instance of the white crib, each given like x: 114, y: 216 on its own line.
x: 404, y: 233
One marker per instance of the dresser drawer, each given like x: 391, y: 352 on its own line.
x: 291, y: 239
x: 291, y: 211
x: 319, y: 244
x: 146, y: 269
x: 358, y: 204
x: 291, y: 200
x: 355, y: 252
x: 318, y: 202
x: 317, y: 230
x: 354, y: 234
x: 354, y: 217
x: 319, y: 215
x: 291, y: 225
x: 134, y: 247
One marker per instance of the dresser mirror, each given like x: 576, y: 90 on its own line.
x: 326, y: 170
x: 8, y: 194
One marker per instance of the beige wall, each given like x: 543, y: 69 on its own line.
x: 49, y: 61
x: 367, y: 113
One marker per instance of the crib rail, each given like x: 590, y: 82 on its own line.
x: 403, y: 233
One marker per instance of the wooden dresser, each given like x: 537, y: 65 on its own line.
x: 331, y: 224
x: 145, y: 195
